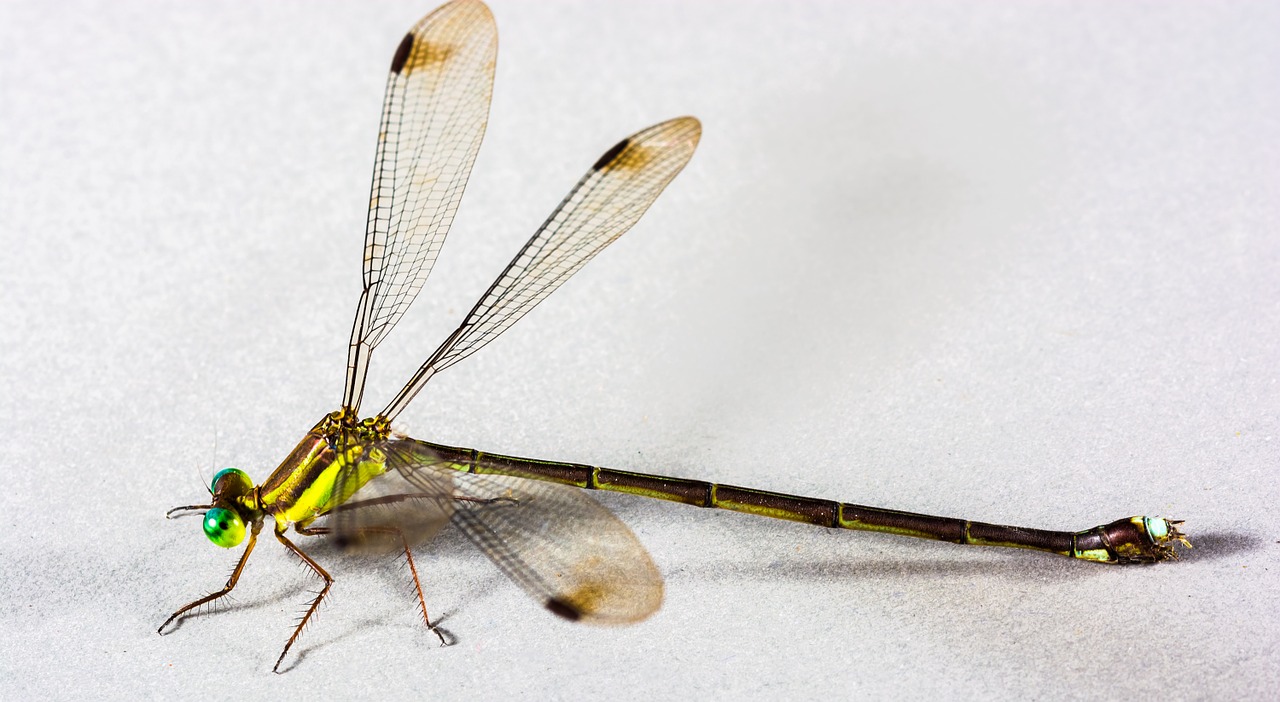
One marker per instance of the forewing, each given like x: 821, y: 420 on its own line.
x: 433, y: 119
x: 383, y: 507
x: 608, y: 200
x: 555, y: 541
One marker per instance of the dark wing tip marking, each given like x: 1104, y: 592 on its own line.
x: 402, y: 53
x: 416, y: 55
x: 612, y: 155
x: 561, y: 608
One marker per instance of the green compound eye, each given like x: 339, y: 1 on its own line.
x: 232, y: 482
x: 223, y: 527
x: 1157, y: 528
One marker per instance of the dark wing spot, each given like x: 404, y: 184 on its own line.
x: 402, y: 53
x: 611, y: 155
x: 561, y: 608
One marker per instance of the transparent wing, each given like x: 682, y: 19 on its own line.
x: 555, y: 541
x: 433, y: 119
x: 608, y: 200
x: 388, y: 506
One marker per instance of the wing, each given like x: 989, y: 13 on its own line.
x: 433, y: 119
x: 555, y: 541
x: 387, y: 506
x: 608, y: 200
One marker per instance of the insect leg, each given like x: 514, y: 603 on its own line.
x: 231, y: 582
x: 408, y: 554
x: 328, y: 582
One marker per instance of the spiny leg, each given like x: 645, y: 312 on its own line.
x: 392, y: 499
x: 408, y: 554
x: 186, y: 508
x: 328, y: 582
x: 231, y: 582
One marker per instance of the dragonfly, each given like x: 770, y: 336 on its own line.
x: 362, y: 483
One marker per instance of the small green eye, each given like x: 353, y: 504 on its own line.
x: 231, y: 482
x: 1157, y: 528
x: 223, y: 527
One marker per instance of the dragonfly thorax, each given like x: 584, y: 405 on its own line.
x: 346, y: 422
